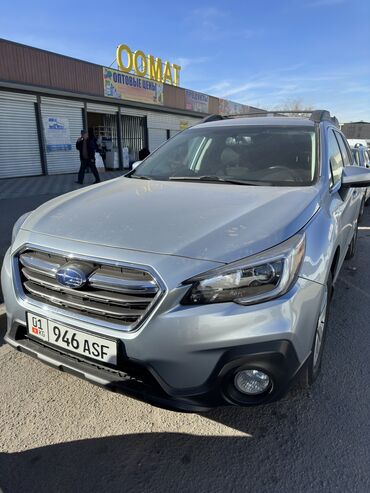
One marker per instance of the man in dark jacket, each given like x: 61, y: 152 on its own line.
x: 86, y: 144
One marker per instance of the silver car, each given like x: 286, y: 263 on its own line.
x: 201, y: 278
x: 361, y: 157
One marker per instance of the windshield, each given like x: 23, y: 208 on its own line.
x: 258, y: 155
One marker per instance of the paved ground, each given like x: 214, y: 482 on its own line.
x: 20, y: 195
x: 61, y: 434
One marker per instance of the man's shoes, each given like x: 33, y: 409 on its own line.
x: 95, y: 182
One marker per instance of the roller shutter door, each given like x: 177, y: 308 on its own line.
x: 19, y: 144
x: 156, y: 137
x: 101, y: 108
x: 64, y: 161
x: 159, y: 123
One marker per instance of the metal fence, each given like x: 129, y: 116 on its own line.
x: 134, y: 132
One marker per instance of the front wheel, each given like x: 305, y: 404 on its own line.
x: 313, y: 365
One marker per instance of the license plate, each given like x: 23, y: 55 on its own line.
x: 74, y: 340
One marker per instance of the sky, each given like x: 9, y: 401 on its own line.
x: 263, y: 53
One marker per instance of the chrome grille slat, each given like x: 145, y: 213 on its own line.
x: 102, y: 281
x: 66, y: 300
x: 40, y: 263
x: 96, y: 295
x: 116, y: 295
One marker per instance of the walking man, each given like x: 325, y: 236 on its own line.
x: 86, y: 144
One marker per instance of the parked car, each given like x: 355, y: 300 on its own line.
x: 201, y: 278
x: 361, y: 156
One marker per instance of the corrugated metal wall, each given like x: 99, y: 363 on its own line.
x: 64, y: 161
x: 19, y: 145
x: 27, y: 65
x: 174, y: 97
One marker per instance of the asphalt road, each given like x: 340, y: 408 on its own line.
x: 61, y: 434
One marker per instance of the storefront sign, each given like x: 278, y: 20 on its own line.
x: 57, y: 134
x: 126, y: 86
x: 196, y: 101
x: 227, y: 107
x: 147, y: 66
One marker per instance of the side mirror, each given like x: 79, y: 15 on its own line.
x: 136, y: 164
x: 355, y: 177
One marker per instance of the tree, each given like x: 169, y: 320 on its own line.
x: 294, y: 105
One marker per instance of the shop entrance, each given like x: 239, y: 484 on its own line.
x: 104, y: 127
x: 134, y: 135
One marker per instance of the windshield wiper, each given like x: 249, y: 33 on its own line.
x: 215, y: 178
x: 140, y: 177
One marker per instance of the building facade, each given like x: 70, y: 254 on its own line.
x: 357, y: 130
x: 46, y: 99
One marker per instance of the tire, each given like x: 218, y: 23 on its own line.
x: 313, y: 365
x: 352, y: 246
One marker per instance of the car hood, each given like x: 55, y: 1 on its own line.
x: 210, y: 221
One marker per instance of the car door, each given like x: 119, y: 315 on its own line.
x: 344, y: 204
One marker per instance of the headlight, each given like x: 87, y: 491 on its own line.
x: 254, y: 279
x: 17, y: 226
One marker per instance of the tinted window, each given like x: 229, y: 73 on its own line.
x: 345, y: 153
x: 367, y: 153
x: 274, y: 155
x: 335, y: 158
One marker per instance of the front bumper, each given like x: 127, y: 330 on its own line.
x: 184, y: 357
x: 277, y: 358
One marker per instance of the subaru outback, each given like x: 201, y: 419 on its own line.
x: 201, y: 278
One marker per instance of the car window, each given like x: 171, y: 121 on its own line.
x: 335, y: 159
x: 367, y: 154
x: 347, y: 159
x: 277, y: 155
x: 356, y: 156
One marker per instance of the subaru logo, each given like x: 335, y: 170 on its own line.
x: 72, y: 275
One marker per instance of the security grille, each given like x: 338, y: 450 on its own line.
x: 133, y: 134
x: 118, y: 295
x: 110, y: 125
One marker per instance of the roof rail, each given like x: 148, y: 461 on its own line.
x: 320, y: 115
x: 268, y: 113
x: 323, y: 115
x: 250, y: 113
x: 211, y: 118
x: 316, y: 116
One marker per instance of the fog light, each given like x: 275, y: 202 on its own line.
x: 252, y: 382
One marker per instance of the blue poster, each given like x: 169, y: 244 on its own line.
x: 57, y: 134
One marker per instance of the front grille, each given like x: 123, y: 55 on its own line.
x: 121, y: 295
